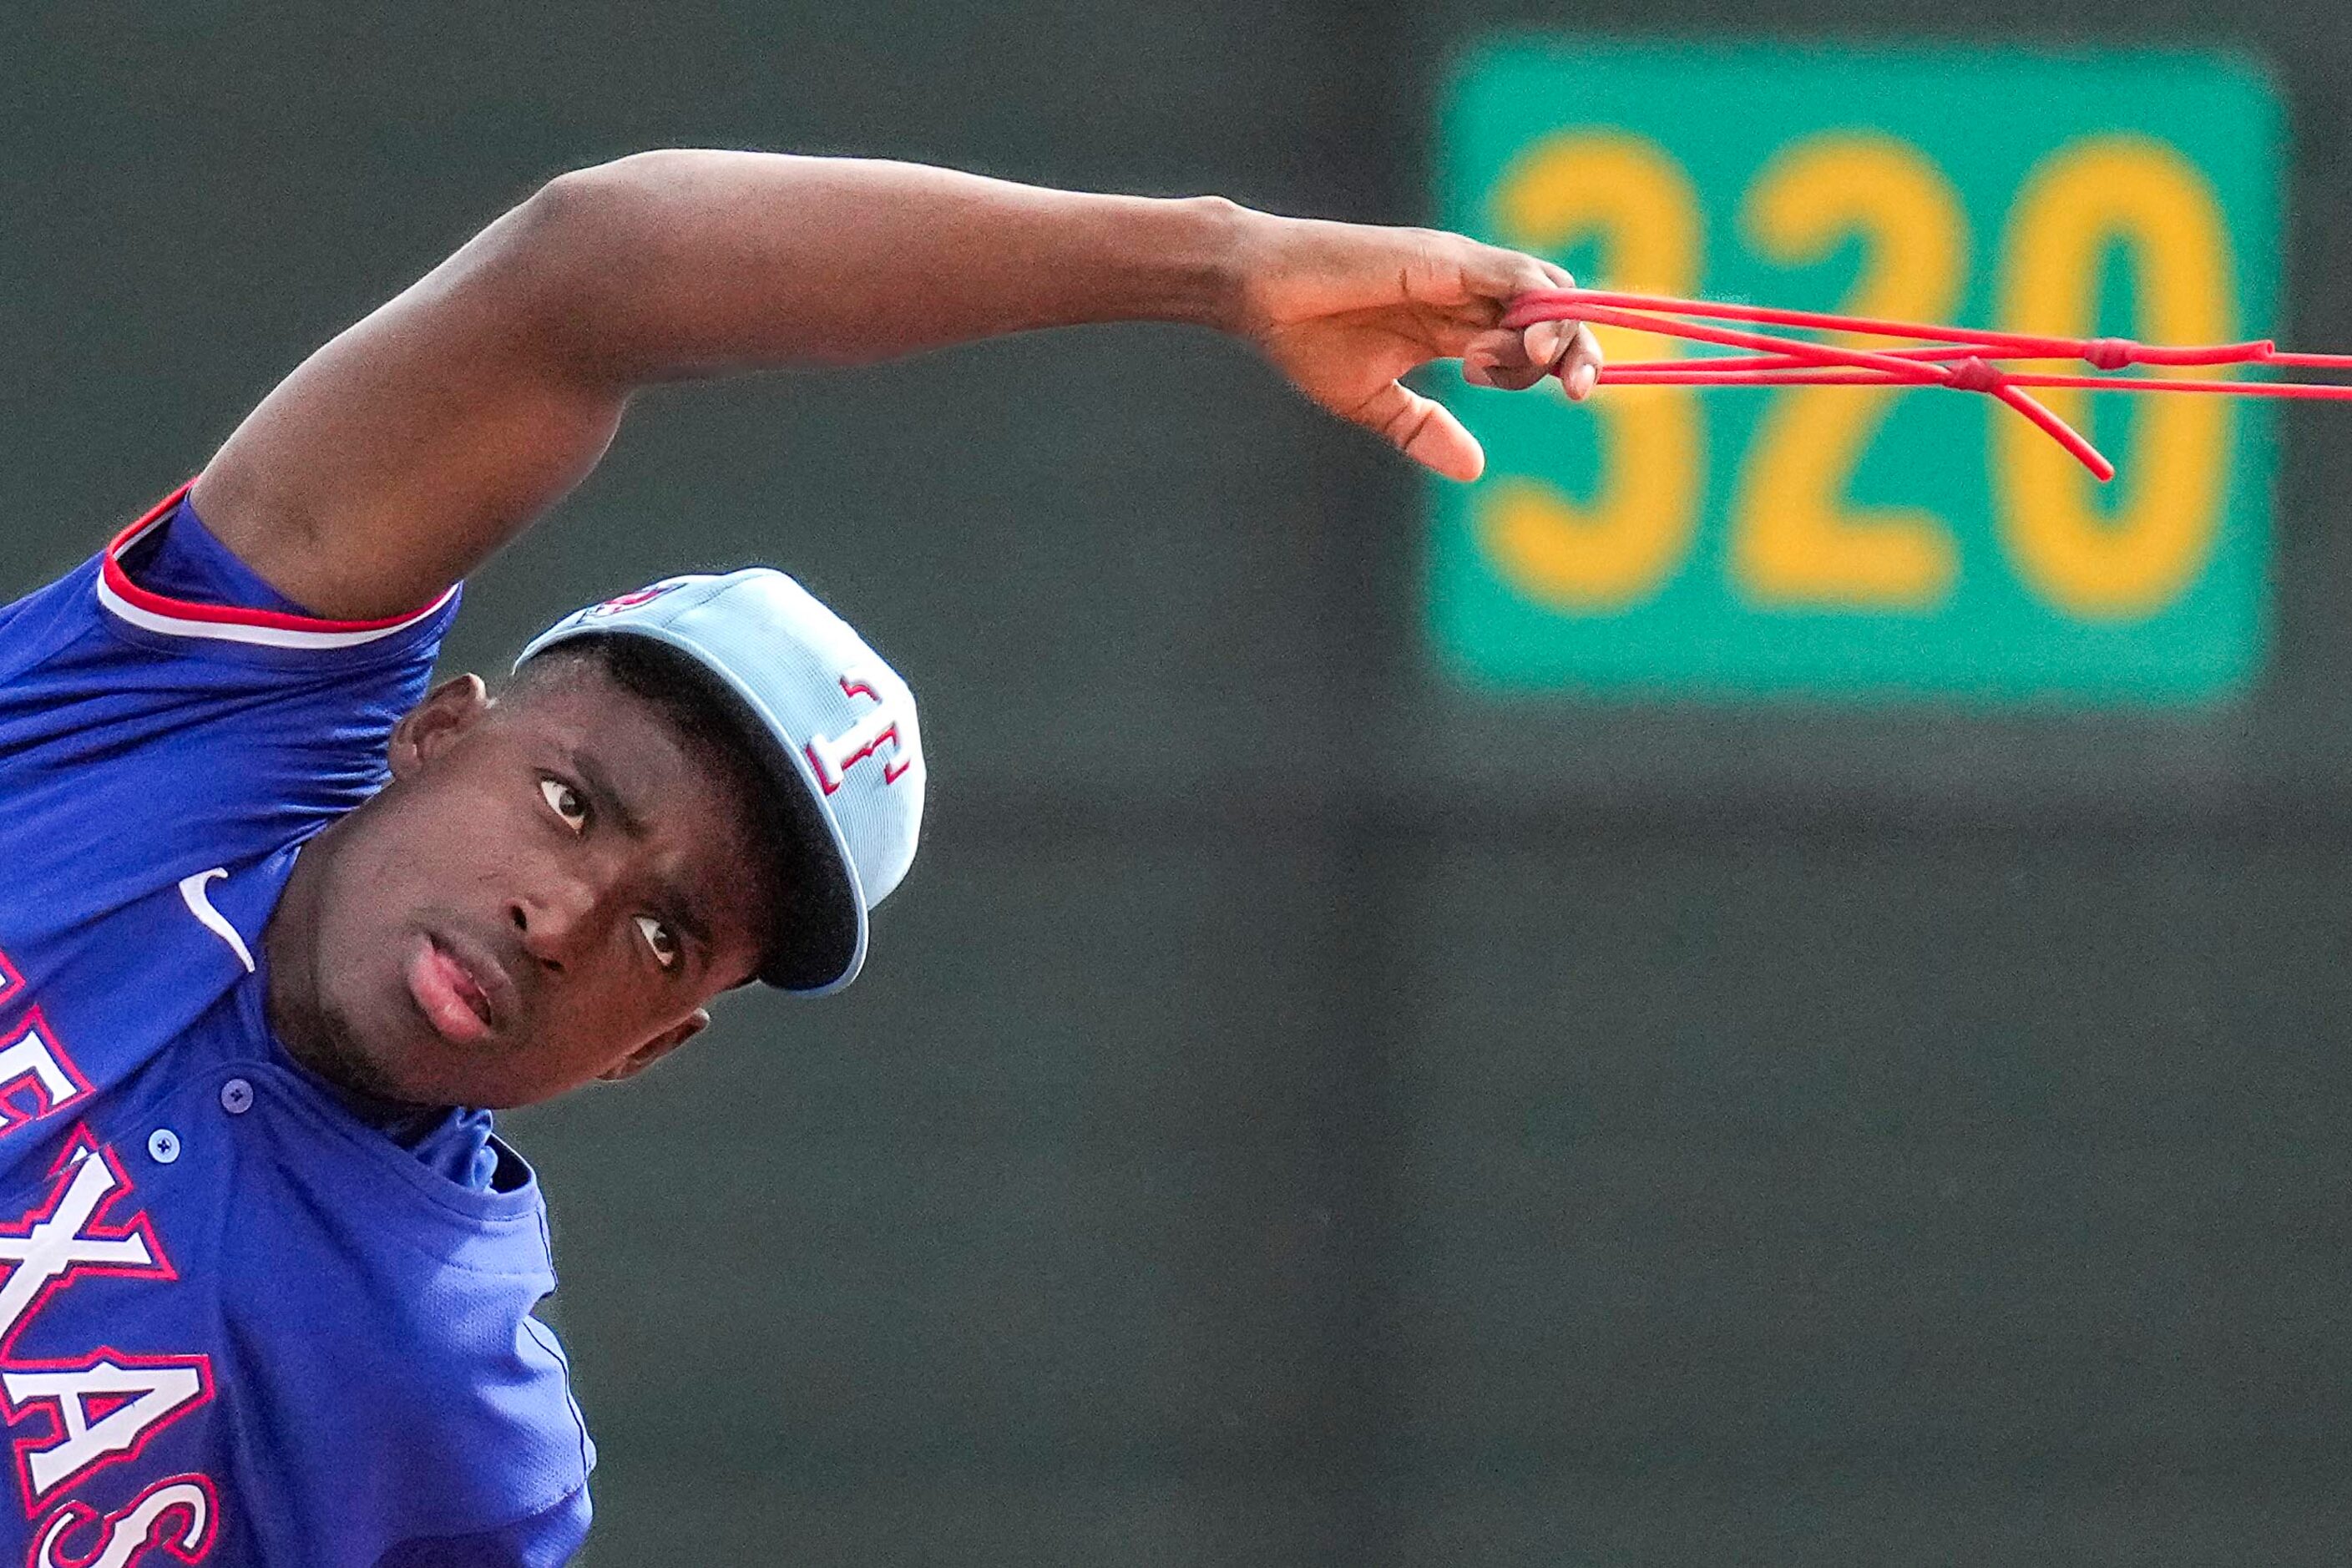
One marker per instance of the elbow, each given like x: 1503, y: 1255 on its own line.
x: 646, y: 195
x: 590, y: 215
x: 572, y: 255
x: 613, y: 223
x: 620, y: 185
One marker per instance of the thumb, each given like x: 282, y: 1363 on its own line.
x: 1423, y: 430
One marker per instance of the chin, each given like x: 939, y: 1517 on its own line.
x: 357, y: 1058
x: 373, y: 1040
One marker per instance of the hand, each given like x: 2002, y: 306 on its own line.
x: 1345, y: 309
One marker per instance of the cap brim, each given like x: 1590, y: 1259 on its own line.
x: 817, y: 943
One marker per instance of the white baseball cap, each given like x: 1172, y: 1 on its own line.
x: 832, y: 726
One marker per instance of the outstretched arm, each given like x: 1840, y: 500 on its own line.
x: 405, y: 452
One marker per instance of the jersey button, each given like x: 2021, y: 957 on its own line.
x: 164, y: 1145
x: 237, y: 1096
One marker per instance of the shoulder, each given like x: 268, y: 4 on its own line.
x: 162, y: 663
x: 493, y: 1432
x: 439, y: 1370
x: 166, y: 576
x: 163, y: 588
x: 457, y: 1396
x: 544, y: 1539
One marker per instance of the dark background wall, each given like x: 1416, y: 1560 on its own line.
x: 1298, y: 1114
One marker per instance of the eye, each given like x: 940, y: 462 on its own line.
x: 565, y: 802
x: 660, y: 937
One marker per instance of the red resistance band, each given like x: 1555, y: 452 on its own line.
x: 1961, y: 358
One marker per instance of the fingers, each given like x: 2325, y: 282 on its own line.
x: 1505, y: 358
x: 1490, y: 272
x: 1579, y: 366
x: 1516, y: 361
x: 1423, y: 430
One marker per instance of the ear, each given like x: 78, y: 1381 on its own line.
x: 430, y: 727
x: 660, y: 1046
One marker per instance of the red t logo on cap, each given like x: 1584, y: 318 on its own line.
x: 832, y: 756
x: 645, y: 595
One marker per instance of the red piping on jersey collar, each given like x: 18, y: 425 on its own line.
x: 119, y: 582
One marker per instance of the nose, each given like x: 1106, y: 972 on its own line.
x: 557, y: 919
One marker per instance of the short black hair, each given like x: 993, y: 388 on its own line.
x: 721, y: 732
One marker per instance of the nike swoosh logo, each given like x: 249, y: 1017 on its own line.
x: 192, y: 891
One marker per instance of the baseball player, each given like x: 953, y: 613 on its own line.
x: 284, y: 927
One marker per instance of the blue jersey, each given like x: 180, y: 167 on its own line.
x: 245, y: 1320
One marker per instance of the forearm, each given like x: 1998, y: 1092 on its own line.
x: 686, y: 263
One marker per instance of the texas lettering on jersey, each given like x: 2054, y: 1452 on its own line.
x: 71, y: 1418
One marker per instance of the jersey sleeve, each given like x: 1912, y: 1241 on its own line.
x: 548, y: 1539
x: 162, y: 695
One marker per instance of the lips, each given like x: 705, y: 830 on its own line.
x: 458, y: 992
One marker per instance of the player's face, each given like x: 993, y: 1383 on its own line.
x: 546, y: 894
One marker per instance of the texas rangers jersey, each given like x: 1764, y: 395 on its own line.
x: 244, y: 1320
